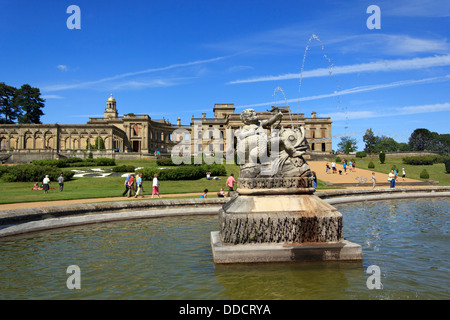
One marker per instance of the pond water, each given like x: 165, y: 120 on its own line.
x: 170, y: 258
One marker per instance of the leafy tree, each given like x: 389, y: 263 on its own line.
x: 29, y: 100
x: 387, y: 144
x: 347, y: 145
x: 443, y: 144
x: 403, y: 146
x: 371, y: 141
x: 7, y: 107
x: 422, y: 139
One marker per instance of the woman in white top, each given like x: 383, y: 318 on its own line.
x: 155, y: 186
x: 46, y: 184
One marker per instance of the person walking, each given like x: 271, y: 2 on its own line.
x: 61, y: 182
x: 155, y: 186
x: 374, y: 181
x: 333, y: 167
x: 130, y: 186
x: 403, y: 174
x: 327, y: 168
x: 139, y: 191
x: 391, y: 178
x: 46, y: 184
x: 126, y: 184
x: 314, y: 180
x: 230, y: 184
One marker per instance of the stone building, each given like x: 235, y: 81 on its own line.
x: 138, y: 134
x: 317, y: 130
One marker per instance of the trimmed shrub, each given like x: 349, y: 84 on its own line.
x: 361, y: 154
x: 424, y: 174
x: 75, y: 162
x: 33, y: 173
x: 338, y: 159
x: 382, y: 157
x: 447, y: 165
x: 425, y: 160
x: 371, y: 165
x: 104, y: 161
x: 185, y: 172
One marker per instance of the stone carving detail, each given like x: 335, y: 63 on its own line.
x: 271, y: 183
x: 258, y: 228
x: 272, y: 161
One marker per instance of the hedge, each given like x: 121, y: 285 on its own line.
x: 361, y: 154
x: 75, y: 162
x: 424, y: 160
x: 185, y: 172
x: 32, y: 173
x: 167, y: 162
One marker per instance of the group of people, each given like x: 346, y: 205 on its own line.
x: 221, y: 194
x: 46, y: 184
x: 350, y: 166
x: 392, y: 178
x: 135, y: 185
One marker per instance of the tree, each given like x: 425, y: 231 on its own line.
x: 29, y: 100
x: 347, y: 145
x: 443, y: 144
x: 422, y: 139
x: 387, y: 144
x: 7, y: 107
x: 371, y: 141
x: 403, y: 146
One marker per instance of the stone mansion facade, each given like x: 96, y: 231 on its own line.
x: 139, y: 134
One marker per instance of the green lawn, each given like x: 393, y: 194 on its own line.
x: 91, y: 187
x: 436, y: 171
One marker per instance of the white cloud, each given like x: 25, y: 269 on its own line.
x: 352, y: 115
x: 51, y: 96
x: 62, y: 67
x: 60, y: 87
x: 152, y: 83
x: 379, y: 66
x: 416, y: 8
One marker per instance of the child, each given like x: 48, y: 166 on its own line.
x: 204, y: 193
x: 221, y: 193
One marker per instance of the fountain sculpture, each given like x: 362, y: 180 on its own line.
x: 276, y: 216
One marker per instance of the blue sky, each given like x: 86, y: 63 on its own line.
x: 178, y: 58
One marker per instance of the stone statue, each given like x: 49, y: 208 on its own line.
x: 275, y: 216
x: 271, y: 161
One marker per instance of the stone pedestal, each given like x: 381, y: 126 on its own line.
x: 282, y: 227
